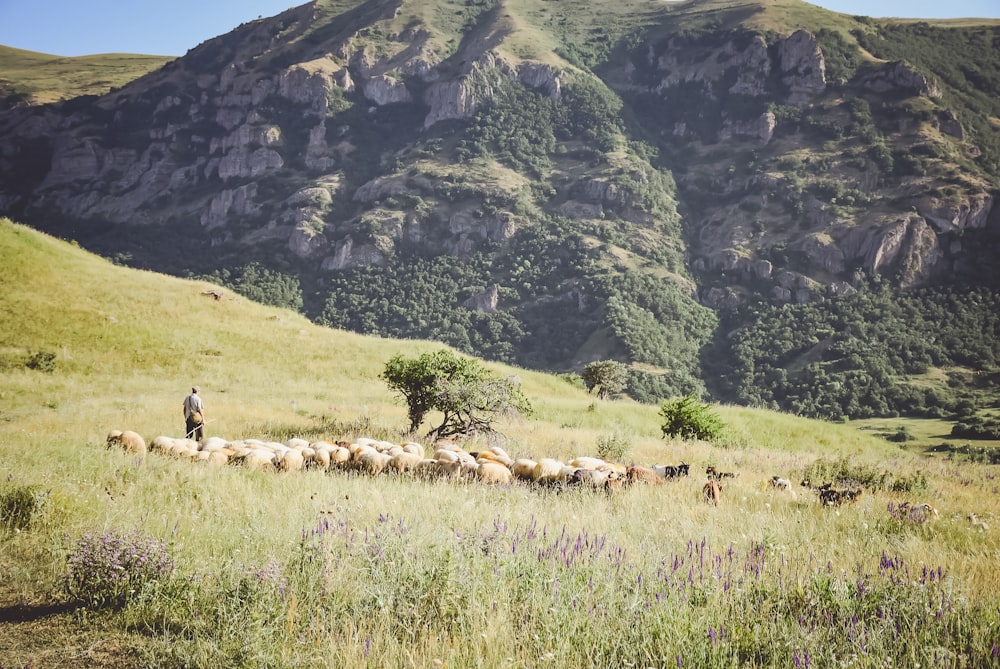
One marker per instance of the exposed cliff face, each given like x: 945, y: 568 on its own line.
x: 225, y: 127
x: 752, y: 195
x: 461, y: 97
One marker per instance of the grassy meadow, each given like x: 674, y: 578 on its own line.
x: 330, y: 569
x: 44, y: 78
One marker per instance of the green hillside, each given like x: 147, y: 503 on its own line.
x: 333, y: 569
x: 38, y: 78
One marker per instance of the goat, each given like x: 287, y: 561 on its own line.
x: 831, y: 497
x: 977, y: 523
x: 636, y: 474
x: 917, y: 513
x: 782, y: 484
x: 672, y: 471
x: 712, y: 492
x: 715, y: 474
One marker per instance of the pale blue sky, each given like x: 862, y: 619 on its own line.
x: 80, y: 27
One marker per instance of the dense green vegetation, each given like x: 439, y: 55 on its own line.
x: 977, y: 427
x: 521, y: 127
x: 421, y: 298
x: 260, y: 284
x: 963, y: 59
x: 860, y: 356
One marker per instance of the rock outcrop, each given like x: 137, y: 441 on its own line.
x: 802, y: 67
x: 899, y: 77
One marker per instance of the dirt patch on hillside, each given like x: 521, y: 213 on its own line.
x: 48, y: 633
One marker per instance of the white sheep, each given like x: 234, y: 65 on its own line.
x: 467, y: 468
x: 256, y: 458
x: 321, y: 458
x: 372, y: 462
x: 211, y: 457
x: 387, y: 447
x: 493, y: 472
x: 615, y: 467
x: 405, y: 462
x: 547, y: 470
x: 159, y: 444
x: 183, y: 450
x: 495, y: 455
x: 447, y: 469
x: 340, y: 456
x: 413, y: 447
x: 446, y: 455
x: 490, y: 456
x: 584, y: 462
x: 427, y: 469
x: 592, y: 477
x: 173, y: 446
x: 523, y: 469
x: 501, y: 455
x: 213, y: 444
x: 129, y: 441
x: 290, y: 461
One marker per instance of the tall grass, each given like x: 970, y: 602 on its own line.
x: 333, y: 569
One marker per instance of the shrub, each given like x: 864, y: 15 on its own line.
x: 844, y: 473
x: 20, y: 506
x: 43, y: 361
x: 901, y: 435
x: 613, y: 447
x: 108, y: 569
x: 687, y: 418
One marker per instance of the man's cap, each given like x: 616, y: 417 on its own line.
x: 195, y: 389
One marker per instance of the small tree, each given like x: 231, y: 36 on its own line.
x: 469, y: 396
x: 607, y: 377
x: 687, y: 418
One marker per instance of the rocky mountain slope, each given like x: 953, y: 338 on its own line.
x: 544, y: 183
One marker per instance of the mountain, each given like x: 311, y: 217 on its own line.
x: 756, y: 199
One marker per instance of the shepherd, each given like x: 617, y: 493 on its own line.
x: 194, y: 415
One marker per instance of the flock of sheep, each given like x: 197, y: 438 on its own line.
x: 372, y: 456
x: 449, y: 461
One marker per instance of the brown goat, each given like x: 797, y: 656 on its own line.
x: 712, y: 492
x: 716, y: 475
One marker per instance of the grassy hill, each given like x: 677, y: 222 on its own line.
x: 38, y: 78
x: 331, y: 569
